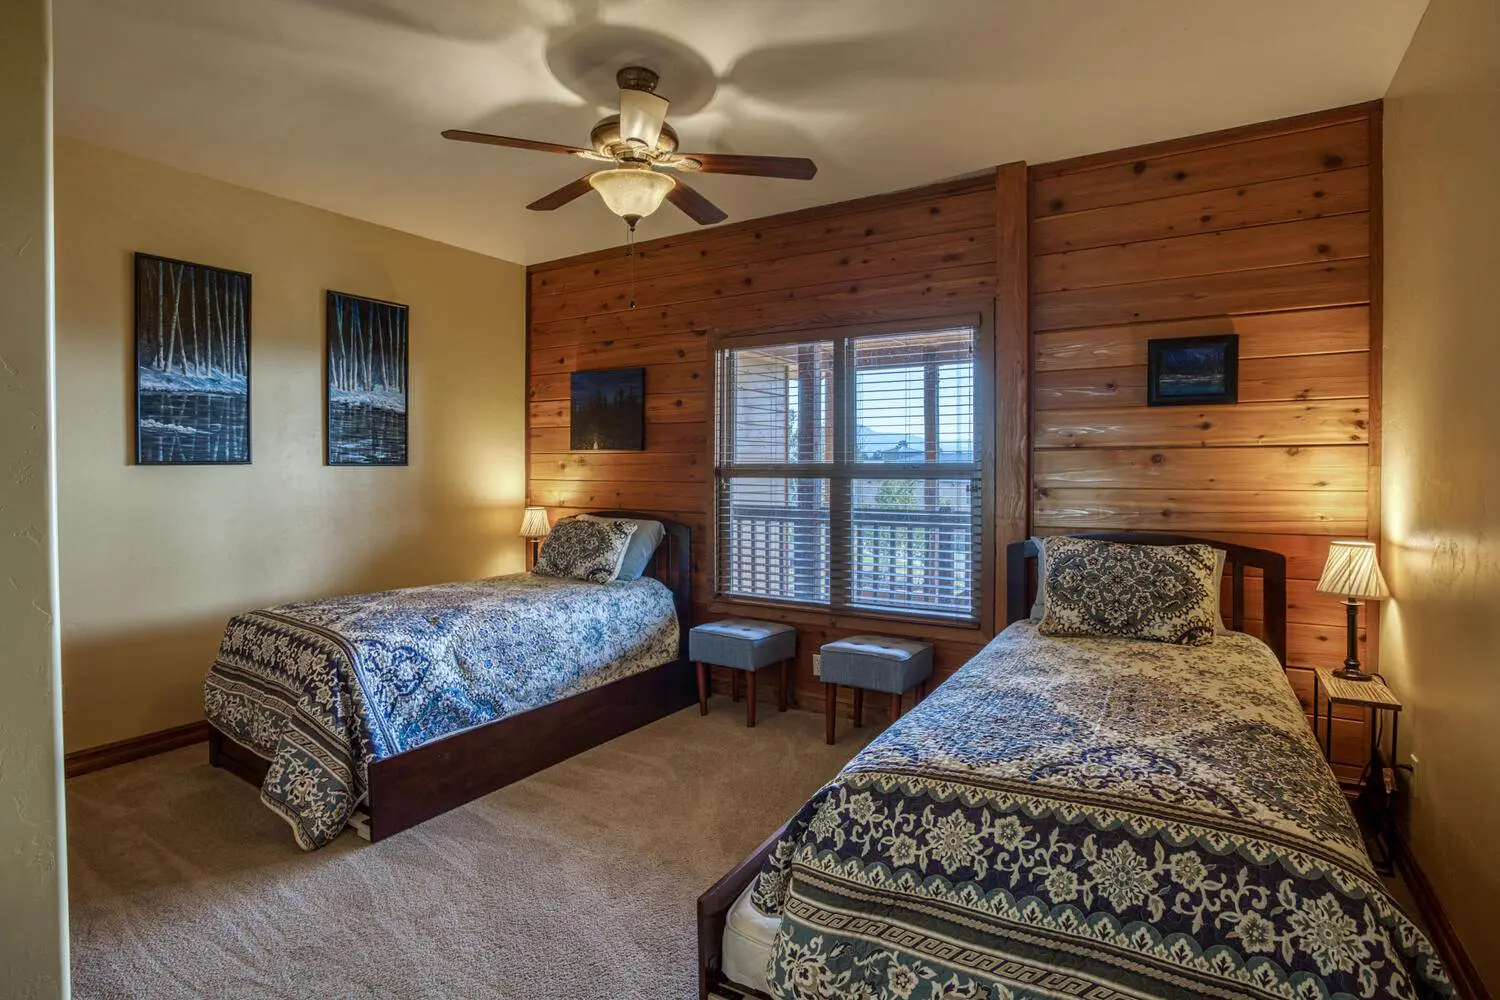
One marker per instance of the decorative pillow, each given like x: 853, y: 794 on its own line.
x: 585, y: 550
x: 1039, y: 605
x: 648, y: 535
x: 1164, y: 593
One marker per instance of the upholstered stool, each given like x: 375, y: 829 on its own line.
x: 874, y: 663
x: 744, y: 645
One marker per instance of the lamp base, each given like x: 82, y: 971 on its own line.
x: 1350, y: 670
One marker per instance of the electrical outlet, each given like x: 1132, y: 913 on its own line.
x: 817, y: 664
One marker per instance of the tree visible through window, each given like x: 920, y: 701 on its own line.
x: 849, y: 473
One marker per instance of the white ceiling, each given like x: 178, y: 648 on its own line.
x: 338, y: 103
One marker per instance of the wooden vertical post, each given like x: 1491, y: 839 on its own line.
x: 1012, y: 377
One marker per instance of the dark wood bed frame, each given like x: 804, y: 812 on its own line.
x: 1020, y: 591
x: 431, y: 779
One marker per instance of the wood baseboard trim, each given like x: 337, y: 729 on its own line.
x: 1444, y: 938
x: 98, y: 758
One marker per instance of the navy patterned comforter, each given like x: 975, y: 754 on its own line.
x: 322, y: 688
x: 1090, y: 818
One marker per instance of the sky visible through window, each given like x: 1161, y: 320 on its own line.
x: 890, y: 409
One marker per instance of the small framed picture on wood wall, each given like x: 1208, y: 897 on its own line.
x: 608, y: 410
x: 1192, y: 370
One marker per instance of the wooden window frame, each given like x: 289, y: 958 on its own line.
x: 982, y: 320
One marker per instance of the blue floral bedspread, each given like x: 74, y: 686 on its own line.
x: 322, y: 688
x: 1090, y: 818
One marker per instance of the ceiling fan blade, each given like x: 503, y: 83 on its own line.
x: 792, y: 168
x: 504, y: 140
x: 642, y: 115
x: 563, y: 195
x: 695, y: 206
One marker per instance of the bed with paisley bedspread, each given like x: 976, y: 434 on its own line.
x: 1078, y: 817
x: 329, y: 692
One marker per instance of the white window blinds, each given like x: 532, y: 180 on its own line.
x: 849, y: 472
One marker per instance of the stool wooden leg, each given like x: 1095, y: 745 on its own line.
x: 859, y: 707
x: 750, y: 699
x: 786, y: 683
x: 702, y: 688
x: 921, y: 690
x: 830, y: 711
x: 734, y: 685
x: 895, y: 707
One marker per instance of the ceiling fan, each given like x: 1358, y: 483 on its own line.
x: 638, y: 143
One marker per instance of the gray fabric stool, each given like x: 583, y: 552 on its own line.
x: 744, y: 645
x: 873, y: 663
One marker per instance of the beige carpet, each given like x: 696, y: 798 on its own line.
x: 578, y: 882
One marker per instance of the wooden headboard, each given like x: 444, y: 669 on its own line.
x: 1021, y: 581
x: 672, y: 565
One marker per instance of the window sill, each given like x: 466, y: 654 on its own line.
x: 896, y: 624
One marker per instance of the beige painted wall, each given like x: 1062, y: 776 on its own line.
x: 1441, y: 489
x: 155, y: 559
x: 33, y: 910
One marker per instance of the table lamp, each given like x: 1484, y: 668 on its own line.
x: 1352, y: 572
x: 534, y: 526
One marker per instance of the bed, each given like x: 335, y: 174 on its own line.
x: 384, y: 710
x: 1078, y: 817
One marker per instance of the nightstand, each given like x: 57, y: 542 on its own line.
x: 1377, y: 800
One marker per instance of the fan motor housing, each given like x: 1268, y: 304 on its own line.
x: 606, y: 139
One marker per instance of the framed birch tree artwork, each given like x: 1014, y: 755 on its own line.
x: 192, y: 363
x: 367, y: 369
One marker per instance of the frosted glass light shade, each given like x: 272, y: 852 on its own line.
x: 534, y: 523
x: 1353, y: 571
x: 632, y: 193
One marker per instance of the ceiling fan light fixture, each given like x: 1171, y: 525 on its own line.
x: 641, y: 118
x: 632, y: 193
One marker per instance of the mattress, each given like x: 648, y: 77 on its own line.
x: 324, y: 688
x: 748, y: 935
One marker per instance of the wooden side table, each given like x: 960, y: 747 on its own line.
x: 1376, y: 697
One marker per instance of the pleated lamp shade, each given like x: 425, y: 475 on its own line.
x: 534, y: 522
x: 1353, y: 571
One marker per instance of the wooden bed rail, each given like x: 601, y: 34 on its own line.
x: 713, y: 914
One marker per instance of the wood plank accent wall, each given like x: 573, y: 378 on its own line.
x: 1270, y: 232
x: 932, y: 251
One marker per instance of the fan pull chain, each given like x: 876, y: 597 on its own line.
x: 630, y: 253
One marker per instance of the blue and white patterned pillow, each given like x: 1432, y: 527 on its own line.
x: 1164, y: 593
x: 585, y: 549
x: 648, y: 535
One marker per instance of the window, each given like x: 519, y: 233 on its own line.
x: 850, y: 469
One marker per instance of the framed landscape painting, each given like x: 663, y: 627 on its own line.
x: 1189, y: 370
x: 192, y: 363
x: 367, y: 387
x: 608, y: 410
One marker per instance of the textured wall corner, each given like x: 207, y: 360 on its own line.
x: 33, y: 951
x: 1441, y: 488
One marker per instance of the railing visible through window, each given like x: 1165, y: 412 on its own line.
x: 849, y: 472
